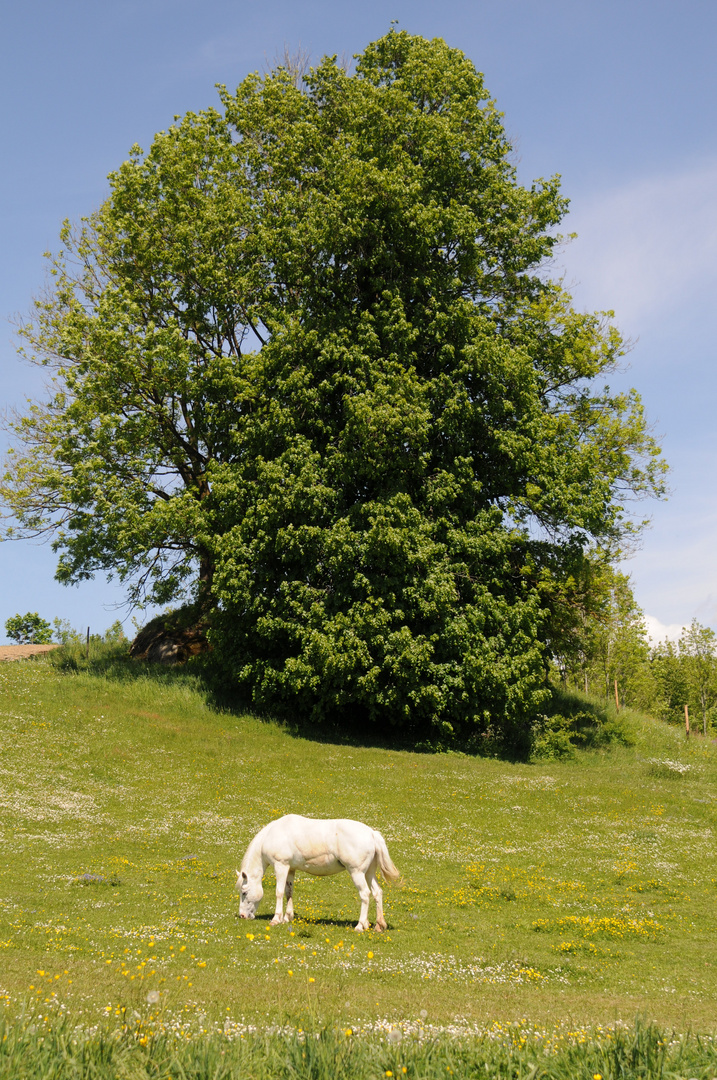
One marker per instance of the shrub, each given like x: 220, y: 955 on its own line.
x: 29, y: 629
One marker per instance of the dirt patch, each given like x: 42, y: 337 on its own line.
x: 23, y: 652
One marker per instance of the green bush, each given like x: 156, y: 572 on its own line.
x: 29, y: 629
x: 578, y: 721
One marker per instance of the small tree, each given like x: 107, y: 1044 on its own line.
x: 610, y: 642
x: 114, y: 634
x: 29, y: 629
x: 697, y: 649
x: 668, y: 669
x: 65, y: 633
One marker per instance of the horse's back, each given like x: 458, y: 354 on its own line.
x: 306, y: 842
x: 298, y: 826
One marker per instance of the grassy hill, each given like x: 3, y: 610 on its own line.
x: 579, y: 892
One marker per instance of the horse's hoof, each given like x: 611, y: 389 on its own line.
x: 360, y: 929
x: 378, y: 928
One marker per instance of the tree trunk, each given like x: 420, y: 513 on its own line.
x: 206, y: 578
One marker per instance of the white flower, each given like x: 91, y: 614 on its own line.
x: 153, y: 997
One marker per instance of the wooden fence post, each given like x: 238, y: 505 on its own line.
x: 687, y: 722
x: 617, y: 699
x: 87, y: 650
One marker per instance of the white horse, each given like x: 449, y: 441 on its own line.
x: 319, y: 847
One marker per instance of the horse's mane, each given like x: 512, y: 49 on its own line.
x: 252, y: 855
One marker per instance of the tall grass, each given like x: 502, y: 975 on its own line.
x: 65, y: 1052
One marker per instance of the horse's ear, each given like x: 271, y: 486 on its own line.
x: 238, y: 874
x: 244, y: 877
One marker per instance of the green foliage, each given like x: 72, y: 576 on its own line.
x: 686, y: 674
x: 105, y: 650
x: 697, y: 647
x: 114, y: 634
x: 608, y: 643
x: 578, y: 721
x: 103, y: 655
x: 28, y: 629
x: 392, y: 503
x: 65, y: 634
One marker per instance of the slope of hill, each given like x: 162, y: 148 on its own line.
x: 581, y: 889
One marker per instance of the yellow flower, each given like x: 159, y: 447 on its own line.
x: 388, y: 1072
x: 291, y: 972
x: 312, y: 980
x: 250, y: 937
x: 370, y: 956
x: 597, y: 1076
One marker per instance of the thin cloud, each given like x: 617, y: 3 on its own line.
x: 215, y: 53
x: 644, y: 248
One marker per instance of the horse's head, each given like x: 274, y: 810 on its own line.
x: 251, y: 892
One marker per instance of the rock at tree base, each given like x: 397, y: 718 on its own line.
x: 172, y: 638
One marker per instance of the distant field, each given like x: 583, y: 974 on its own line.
x: 558, y: 895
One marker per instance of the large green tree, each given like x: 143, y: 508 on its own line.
x: 309, y: 364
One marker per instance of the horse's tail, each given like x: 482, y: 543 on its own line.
x: 385, y: 862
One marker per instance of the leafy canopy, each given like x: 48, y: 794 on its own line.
x: 29, y: 629
x: 309, y: 366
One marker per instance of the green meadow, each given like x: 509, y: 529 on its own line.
x: 553, y: 901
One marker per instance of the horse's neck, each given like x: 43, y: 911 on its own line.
x: 253, y: 861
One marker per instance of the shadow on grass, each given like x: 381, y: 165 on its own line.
x: 573, y: 720
x: 570, y: 720
x: 301, y: 925
x: 113, y: 662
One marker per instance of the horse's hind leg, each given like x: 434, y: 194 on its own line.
x: 359, y: 879
x: 289, y: 894
x: 378, y: 897
x: 282, y: 873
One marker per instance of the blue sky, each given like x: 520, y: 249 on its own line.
x: 617, y: 96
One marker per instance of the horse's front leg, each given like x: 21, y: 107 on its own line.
x: 289, y: 894
x: 359, y: 880
x: 282, y: 873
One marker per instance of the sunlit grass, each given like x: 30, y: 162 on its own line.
x: 579, y: 891
x: 65, y: 1051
